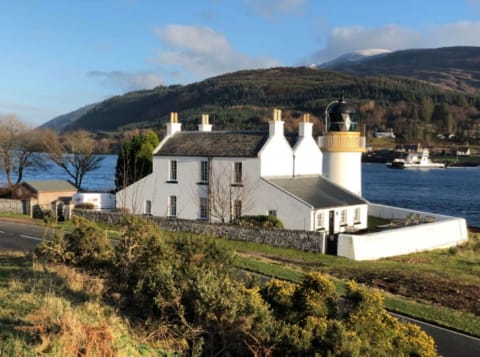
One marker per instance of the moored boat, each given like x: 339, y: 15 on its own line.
x: 415, y: 161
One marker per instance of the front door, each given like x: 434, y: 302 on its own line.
x: 332, y: 238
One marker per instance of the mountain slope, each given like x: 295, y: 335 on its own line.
x: 449, y: 67
x: 60, y: 122
x: 243, y: 99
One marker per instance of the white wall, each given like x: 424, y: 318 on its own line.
x: 443, y: 233
x: 307, y: 157
x: 276, y: 155
x: 345, y: 169
x: 294, y: 213
x: 134, y: 196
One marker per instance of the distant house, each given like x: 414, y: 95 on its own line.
x: 45, y: 195
x: 462, y: 151
x: 407, y: 148
x: 385, y: 134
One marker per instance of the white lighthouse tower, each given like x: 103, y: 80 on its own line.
x: 342, y: 146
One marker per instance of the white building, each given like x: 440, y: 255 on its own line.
x: 219, y: 175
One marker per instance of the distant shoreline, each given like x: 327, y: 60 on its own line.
x: 383, y: 156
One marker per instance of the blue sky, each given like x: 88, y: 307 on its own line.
x: 58, y: 55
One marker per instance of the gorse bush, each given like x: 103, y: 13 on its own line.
x: 188, y: 294
x: 258, y: 221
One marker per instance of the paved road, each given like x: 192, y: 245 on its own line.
x: 24, y: 237
x: 20, y: 236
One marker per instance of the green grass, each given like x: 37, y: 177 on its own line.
x: 14, y: 215
x: 457, y: 320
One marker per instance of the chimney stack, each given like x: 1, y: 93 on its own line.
x: 276, y: 125
x: 173, y: 126
x: 205, y: 125
x: 305, y: 127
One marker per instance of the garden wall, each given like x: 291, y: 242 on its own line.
x: 304, y: 240
x: 443, y: 232
x: 14, y: 206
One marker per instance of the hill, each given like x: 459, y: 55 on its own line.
x: 60, y: 122
x: 448, y: 67
x: 244, y: 100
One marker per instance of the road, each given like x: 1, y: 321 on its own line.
x: 20, y: 236
x: 24, y: 237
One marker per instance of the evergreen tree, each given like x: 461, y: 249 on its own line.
x: 135, y: 158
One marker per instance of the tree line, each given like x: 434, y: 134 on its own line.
x: 74, y: 152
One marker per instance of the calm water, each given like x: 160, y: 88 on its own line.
x: 452, y: 191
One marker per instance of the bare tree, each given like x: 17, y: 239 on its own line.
x: 18, y: 143
x: 74, y: 153
x: 224, y: 192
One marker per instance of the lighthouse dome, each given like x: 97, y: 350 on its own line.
x: 341, y: 116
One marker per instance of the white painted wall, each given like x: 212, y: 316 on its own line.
x: 293, y: 212
x: 134, y: 196
x: 186, y: 189
x: 345, y: 169
x: 276, y: 156
x: 307, y: 155
x: 443, y: 233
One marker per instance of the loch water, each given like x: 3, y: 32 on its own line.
x: 453, y: 191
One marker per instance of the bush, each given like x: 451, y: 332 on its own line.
x: 259, y: 221
x: 88, y: 244
x: 85, y: 205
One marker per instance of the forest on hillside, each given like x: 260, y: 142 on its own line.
x: 415, y: 110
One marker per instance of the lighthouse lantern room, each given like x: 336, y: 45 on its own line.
x: 342, y: 146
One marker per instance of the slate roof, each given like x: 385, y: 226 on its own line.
x: 318, y: 191
x: 214, y: 143
x: 51, y: 186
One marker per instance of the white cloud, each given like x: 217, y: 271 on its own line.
x: 393, y: 37
x: 127, y: 81
x: 269, y: 8
x: 200, y: 52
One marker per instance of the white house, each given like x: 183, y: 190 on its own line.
x: 219, y: 175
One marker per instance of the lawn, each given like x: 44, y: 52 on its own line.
x: 440, y: 286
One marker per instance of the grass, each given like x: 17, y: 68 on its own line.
x: 57, y: 311
x: 457, y: 320
x: 450, y: 266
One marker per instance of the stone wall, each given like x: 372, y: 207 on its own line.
x: 304, y: 240
x: 14, y: 206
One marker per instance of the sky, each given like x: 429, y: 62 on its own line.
x: 59, y: 55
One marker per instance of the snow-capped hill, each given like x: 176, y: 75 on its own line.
x: 355, y: 56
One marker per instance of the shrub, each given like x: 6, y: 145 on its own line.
x: 88, y: 245
x: 259, y: 221
x: 85, y: 205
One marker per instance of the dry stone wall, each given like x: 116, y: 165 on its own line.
x: 14, y: 206
x: 304, y: 240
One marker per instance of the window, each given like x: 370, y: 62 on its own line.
x: 356, y: 217
x: 204, y: 171
x: 320, y: 222
x: 343, y: 217
x: 148, y: 207
x: 203, y: 208
x: 172, y: 206
x: 237, y: 209
x: 173, y: 170
x: 272, y: 212
x: 237, y: 173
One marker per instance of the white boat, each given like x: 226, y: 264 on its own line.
x: 415, y: 161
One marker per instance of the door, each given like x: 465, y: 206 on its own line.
x: 332, y: 238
